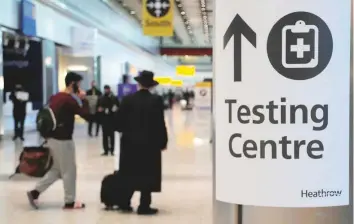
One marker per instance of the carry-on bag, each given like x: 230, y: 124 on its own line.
x: 111, y: 190
x: 34, y: 161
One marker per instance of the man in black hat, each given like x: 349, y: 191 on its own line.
x: 107, y: 108
x: 141, y: 121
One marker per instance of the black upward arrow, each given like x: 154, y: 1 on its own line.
x: 237, y: 28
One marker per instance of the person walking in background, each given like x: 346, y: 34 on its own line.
x: 164, y: 96
x: 186, y: 97
x: 65, y: 105
x: 19, y: 97
x: 107, y: 107
x: 191, y: 98
x: 171, y: 98
x: 140, y: 119
x: 93, y: 96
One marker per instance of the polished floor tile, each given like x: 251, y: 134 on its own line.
x: 187, y: 185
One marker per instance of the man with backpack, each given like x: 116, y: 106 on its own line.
x: 56, y: 124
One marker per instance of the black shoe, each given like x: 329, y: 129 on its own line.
x: 104, y: 154
x: 112, y: 153
x: 126, y: 209
x: 22, y: 139
x: 147, y: 211
x: 14, y: 138
x: 33, y: 198
x: 74, y: 205
x: 90, y: 135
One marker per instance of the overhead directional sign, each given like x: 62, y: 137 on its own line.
x: 163, y: 80
x: 176, y: 83
x: 158, y: 17
x: 282, y: 87
x: 185, y: 70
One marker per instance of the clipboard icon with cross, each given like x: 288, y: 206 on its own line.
x: 300, y: 43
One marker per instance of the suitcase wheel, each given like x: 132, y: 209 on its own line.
x: 109, y: 207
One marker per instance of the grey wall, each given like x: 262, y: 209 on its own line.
x: 65, y: 61
x: 50, y: 71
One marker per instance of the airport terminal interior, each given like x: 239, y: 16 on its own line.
x: 209, y: 111
x: 109, y: 43
x: 186, y: 191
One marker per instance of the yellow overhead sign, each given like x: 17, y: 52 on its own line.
x: 177, y: 83
x: 183, y: 70
x: 203, y: 84
x: 163, y: 80
x: 158, y: 17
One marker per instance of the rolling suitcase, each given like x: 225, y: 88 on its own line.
x: 111, y: 191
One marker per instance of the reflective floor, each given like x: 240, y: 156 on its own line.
x: 187, y: 184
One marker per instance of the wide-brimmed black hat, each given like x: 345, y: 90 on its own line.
x: 146, y: 79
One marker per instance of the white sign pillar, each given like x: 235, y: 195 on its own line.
x: 283, y: 112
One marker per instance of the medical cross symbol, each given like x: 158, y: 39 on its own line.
x: 300, y: 48
x: 158, y: 8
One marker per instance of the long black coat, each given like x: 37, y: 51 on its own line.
x: 108, y: 103
x: 140, y: 119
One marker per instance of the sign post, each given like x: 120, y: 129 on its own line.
x: 283, y: 121
x: 202, y: 108
x: 2, y: 126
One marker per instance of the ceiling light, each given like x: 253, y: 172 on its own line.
x: 132, y: 12
x: 77, y: 68
x: 205, y: 20
x: 185, y: 19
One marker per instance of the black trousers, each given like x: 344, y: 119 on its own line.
x: 93, y: 120
x: 145, y: 199
x: 108, y: 138
x: 19, y: 125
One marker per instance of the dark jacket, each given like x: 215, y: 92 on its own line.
x: 19, y: 107
x: 140, y: 119
x: 110, y: 104
x: 93, y: 91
